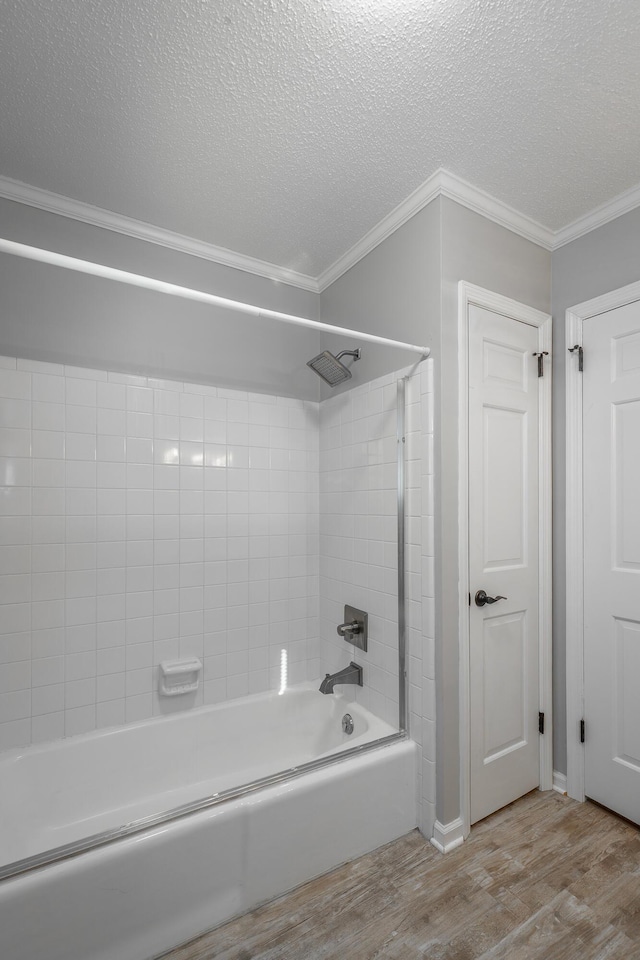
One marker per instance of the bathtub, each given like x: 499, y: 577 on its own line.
x: 120, y: 844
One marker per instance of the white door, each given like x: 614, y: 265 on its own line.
x: 611, y: 464
x: 503, y: 559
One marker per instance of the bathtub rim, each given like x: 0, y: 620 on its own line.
x: 94, y: 841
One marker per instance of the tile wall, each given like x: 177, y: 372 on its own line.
x: 142, y: 520
x: 358, y: 551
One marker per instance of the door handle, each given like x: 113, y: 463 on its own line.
x: 482, y: 598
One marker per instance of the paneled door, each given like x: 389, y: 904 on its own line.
x: 504, y: 520
x: 611, y: 472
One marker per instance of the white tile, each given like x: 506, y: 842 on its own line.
x: 47, y: 586
x: 111, y: 529
x: 80, y: 446
x: 127, y: 378
x: 79, y: 611
x: 80, y: 419
x: 84, y: 373
x: 191, y: 405
x: 139, y: 425
x: 48, y: 416
x: 79, y: 693
x: 111, y: 396
x: 80, y: 391
x: 15, y: 676
x: 15, y: 501
x: 215, y: 431
x: 47, y: 699
x: 110, y: 580
x: 47, y: 444
x: 166, y: 427
x: 15, y: 384
x: 111, y: 607
x: 46, y: 614
x: 48, y: 473
x: 15, y: 471
x: 111, y: 687
x: 80, y: 474
x: 111, y: 422
x: 15, y: 414
x: 80, y: 583
x: 79, y: 720
x: 15, y: 646
x: 111, y: 475
x: 111, y: 713
x: 111, y: 633
x: 191, y: 454
x: 139, y: 707
x: 81, y: 529
x: 80, y: 638
x: 166, y: 452
x: 111, y: 660
x: 139, y: 399
x: 166, y: 402
x: 15, y: 443
x: 110, y: 501
x: 139, y: 450
x: 110, y: 448
x: 191, y: 429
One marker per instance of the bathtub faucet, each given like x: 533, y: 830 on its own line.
x: 350, y: 674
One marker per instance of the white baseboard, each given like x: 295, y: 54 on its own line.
x: 560, y: 782
x: 447, y: 836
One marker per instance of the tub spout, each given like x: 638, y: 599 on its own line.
x: 350, y: 674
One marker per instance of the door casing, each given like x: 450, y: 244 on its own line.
x: 574, y: 633
x: 471, y: 294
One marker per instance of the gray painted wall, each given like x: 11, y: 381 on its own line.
x: 603, y: 260
x: 392, y: 292
x: 482, y: 252
x: 408, y: 287
x: 52, y: 314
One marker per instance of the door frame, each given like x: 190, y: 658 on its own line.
x: 468, y: 294
x: 574, y: 629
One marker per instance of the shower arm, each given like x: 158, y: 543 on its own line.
x: 189, y: 293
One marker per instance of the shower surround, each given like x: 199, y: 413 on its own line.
x: 143, y: 520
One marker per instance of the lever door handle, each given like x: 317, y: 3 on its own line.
x: 482, y: 598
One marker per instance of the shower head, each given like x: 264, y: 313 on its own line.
x: 329, y: 367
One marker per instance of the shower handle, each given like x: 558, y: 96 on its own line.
x: 349, y: 629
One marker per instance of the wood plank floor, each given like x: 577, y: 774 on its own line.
x: 543, y: 878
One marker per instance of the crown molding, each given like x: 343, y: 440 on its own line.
x: 445, y: 184
x: 465, y: 193
x: 139, y: 230
x: 425, y: 193
x: 441, y: 183
x: 623, y: 203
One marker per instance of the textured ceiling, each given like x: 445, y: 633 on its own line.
x: 286, y: 129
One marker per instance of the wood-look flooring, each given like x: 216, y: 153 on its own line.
x: 544, y: 878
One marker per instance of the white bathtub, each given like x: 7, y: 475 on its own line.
x: 145, y: 891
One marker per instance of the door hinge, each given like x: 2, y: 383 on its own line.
x: 541, y: 723
x: 541, y: 355
x: 580, y: 356
x: 582, y: 731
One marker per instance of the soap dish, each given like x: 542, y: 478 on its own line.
x: 179, y: 676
